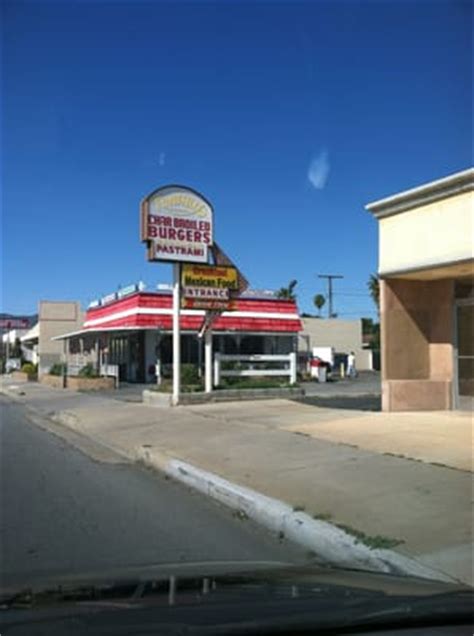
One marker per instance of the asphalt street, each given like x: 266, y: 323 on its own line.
x: 64, y: 513
x: 362, y: 393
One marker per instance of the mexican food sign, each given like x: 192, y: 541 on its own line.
x: 208, y: 286
x: 177, y: 225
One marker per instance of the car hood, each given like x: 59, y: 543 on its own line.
x: 242, y: 597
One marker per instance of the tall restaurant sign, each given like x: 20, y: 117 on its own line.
x: 177, y: 225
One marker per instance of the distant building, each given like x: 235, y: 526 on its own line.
x: 343, y: 335
x: 54, y: 318
x: 426, y: 266
x: 13, y: 335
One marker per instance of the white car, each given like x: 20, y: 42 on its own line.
x: 12, y: 364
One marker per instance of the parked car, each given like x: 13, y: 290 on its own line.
x: 13, y: 364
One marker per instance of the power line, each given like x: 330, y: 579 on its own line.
x: 362, y: 312
x: 330, y: 278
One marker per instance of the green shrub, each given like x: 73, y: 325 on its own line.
x: 166, y: 386
x: 253, y: 383
x: 189, y: 374
x: 232, y: 365
x: 29, y: 368
x: 190, y: 381
x: 88, y: 371
x: 57, y: 369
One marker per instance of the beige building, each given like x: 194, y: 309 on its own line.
x: 426, y: 266
x: 343, y: 335
x: 54, y: 318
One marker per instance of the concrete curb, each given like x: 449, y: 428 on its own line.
x: 331, y: 543
x: 12, y: 391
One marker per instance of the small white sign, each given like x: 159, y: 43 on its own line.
x: 206, y: 292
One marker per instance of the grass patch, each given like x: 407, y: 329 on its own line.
x: 166, y: 386
x: 322, y: 516
x: 251, y: 383
x: 299, y: 508
x: 240, y: 514
x: 373, y: 542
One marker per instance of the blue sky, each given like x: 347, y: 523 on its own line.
x: 289, y: 117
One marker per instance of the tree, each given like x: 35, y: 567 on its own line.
x: 374, y: 289
x: 319, y: 302
x: 15, y: 350
x: 367, y: 326
x: 287, y: 293
x: 371, y: 332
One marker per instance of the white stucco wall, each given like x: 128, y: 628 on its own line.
x: 434, y: 234
x: 55, y: 318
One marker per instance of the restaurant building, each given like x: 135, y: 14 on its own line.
x: 133, y: 329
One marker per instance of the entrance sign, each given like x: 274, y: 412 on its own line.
x: 177, y: 225
x: 208, y: 286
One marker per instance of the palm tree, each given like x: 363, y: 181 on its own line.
x: 319, y: 302
x: 287, y: 293
x: 374, y: 289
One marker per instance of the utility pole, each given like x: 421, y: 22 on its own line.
x: 330, y: 278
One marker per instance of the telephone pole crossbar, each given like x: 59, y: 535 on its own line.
x: 330, y: 278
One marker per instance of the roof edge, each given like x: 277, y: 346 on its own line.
x: 451, y: 185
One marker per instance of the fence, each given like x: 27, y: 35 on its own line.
x: 110, y: 371
x: 288, y: 367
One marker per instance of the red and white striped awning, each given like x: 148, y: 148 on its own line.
x: 145, y: 310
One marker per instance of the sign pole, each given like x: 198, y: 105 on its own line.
x: 8, y: 345
x: 208, y: 361
x: 176, y: 336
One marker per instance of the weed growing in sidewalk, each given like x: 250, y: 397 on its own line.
x: 322, y: 516
x: 373, y: 542
x: 240, y: 514
x: 426, y: 462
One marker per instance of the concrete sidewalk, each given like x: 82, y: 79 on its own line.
x: 439, y: 437
x: 339, y: 466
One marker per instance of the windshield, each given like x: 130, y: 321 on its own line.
x: 237, y: 291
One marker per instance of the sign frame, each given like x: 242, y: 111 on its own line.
x: 197, y: 286
x: 182, y: 225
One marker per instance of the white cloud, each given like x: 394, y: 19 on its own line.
x: 161, y: 159
x: 318, y: 171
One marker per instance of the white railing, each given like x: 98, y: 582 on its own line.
x: 288, y: 367
x: 110, y: 371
